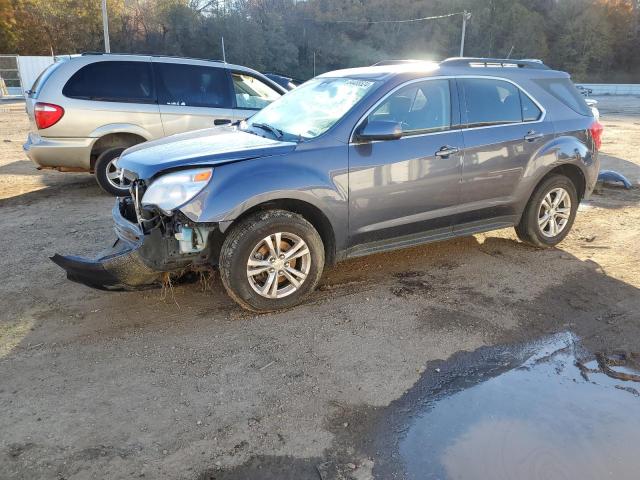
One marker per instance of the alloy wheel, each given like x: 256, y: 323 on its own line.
x: 278, y: 265
x: 114, y: 176
x: 554, y: 212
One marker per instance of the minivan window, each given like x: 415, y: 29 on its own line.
x: 565, y: 91
x: 491, y: 102
x: 112, y: 81
x: 251, y: 93
x: 192, y: 85
x: 419, y: 107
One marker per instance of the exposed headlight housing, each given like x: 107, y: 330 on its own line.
x: 173, y: 190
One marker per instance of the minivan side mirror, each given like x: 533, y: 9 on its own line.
x: 380, y: 130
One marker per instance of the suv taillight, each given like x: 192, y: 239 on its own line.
x: 47, y: 114
x: 596, y: 129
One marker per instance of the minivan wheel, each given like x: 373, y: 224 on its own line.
x: 271, y: 260
x: 550, y: 213
x: 108, y: 175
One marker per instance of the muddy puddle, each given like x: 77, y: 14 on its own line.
x: 559, y: 415
x: 546, y: 410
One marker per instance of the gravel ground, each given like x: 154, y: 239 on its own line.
x: 184, y: 384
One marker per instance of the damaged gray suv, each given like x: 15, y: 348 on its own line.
x: 353, y: 162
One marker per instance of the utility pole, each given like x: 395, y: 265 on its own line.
x: 314, y: 63
x: 105, y: 27
x: 224, y: 55
x: 465, y: 16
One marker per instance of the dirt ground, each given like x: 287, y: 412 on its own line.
x: 184, y: 384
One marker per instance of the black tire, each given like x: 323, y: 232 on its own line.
x: 101, y: 171
x: 247, y: 235
x: 529, y: 230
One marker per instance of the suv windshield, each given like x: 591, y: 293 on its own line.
x: 312, y: 108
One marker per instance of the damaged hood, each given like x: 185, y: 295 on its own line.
x: 211, y: 146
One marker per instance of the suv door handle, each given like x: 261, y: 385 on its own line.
x: 532, y: 136
x: 221, y: 121
x: 446, y: 150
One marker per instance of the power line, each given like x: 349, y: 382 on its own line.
x: 372, y: 22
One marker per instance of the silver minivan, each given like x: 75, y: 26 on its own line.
x: 85, y: 111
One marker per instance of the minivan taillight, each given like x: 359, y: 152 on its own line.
x: 596, y: 129
x: 47, y: 114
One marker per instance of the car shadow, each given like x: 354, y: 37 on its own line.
x: 43, y: 184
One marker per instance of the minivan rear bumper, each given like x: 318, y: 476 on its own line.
x: 64, y: 154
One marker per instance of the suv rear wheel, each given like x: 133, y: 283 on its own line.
x: 271, y: 260
x: 108, y: 176
x: 550, y: 213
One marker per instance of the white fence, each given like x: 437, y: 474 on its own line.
x: 613, y: 88
x: 19, y: 72
x: 30, y: 68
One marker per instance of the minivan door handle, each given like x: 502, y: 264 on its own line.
x: 445, y: 151
x: 221, y: 121
x: 532, y: 136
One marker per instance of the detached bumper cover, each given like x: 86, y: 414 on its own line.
x: 135, y: 261
x: 122, y: 268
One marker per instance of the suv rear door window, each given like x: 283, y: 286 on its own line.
x: 565, y: 91
x: 252, y: 93
x: 491, y: 102
x: 192, y: 85
x: 112, y: 81
x: 419, y: 107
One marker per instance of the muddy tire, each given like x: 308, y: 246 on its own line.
x: 271, y: 260
x: 107, y: 175
x: 550, y: 213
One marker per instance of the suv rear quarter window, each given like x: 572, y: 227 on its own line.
x: 192, y: 85
x: 565, y: 91
x: 530, y: 111
x: 112, y: 81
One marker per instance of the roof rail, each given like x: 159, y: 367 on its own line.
x: 153, y: 55
x: 495, y: 62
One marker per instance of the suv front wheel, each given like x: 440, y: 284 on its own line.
x: 108, y: 175
x: 271, y: 260
x: 550, y: 213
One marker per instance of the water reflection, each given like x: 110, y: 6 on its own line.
x: 553, y: 417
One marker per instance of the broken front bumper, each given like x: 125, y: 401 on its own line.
x: 137, y: 259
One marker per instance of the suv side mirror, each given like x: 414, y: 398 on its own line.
x: 380, y: 130
x: 221, y: 121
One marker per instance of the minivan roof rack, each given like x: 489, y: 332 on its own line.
x: 153, y: 55
x: 495, y: 62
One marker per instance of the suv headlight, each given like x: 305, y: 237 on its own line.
x: 173, y: 190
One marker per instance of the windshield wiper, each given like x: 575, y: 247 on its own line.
x: 273, y: 130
